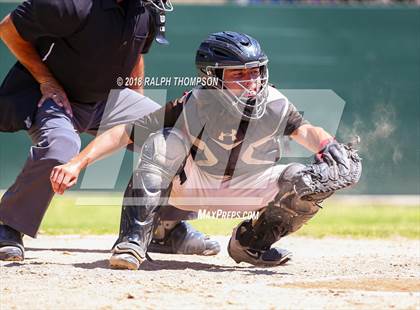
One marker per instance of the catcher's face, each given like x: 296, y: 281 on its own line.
x: 243, y: 82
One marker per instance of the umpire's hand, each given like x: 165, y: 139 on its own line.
x: 64, y: 176
x: 53, y: 90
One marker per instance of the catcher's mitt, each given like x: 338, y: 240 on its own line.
x: 322, y: 178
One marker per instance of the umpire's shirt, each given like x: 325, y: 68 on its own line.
x: 86, y: 44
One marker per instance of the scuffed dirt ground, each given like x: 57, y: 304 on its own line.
x: 71, y: 272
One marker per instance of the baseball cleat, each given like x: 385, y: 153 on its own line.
x: 126, y: 255
x: 184, y: 239
x: 11, y: 253
x: 11, y: 244
x: 263, y: 258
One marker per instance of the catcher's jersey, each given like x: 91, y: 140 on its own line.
x: 220, y: 143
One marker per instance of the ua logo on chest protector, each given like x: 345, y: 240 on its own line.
x: 232, y: 137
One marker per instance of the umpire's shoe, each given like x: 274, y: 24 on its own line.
x: 272, y: 256
x: 11, y: 244
x: 182, y: 238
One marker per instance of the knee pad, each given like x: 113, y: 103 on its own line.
x: 290, y: 176
x: 287, y: 197
x: 163, y: 156
x: 282, y: 216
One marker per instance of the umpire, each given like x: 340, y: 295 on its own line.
x: 70, y: 54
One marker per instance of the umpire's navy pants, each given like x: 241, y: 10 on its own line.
x: 56, y: 140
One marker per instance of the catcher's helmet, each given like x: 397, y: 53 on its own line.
x: 232, y: 50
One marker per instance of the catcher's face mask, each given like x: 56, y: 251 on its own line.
x: 158, y: 8
x: 161, y: 5
x: 245, y: 88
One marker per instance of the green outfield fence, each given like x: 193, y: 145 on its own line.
x: 369, y: 56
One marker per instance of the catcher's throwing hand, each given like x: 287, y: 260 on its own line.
x: 63, y: 177
x: 52, y: 90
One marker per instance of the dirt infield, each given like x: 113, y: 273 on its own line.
x: 71, y: 272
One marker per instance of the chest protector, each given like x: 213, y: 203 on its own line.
x: 224, y: 144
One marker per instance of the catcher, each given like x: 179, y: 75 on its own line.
x: 217, y: 148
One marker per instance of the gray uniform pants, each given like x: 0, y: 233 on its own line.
x: 56, y: 140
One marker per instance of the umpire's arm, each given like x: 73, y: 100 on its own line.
x: 24, y: 51
x: 138, y: 75
x: 28, y: 56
